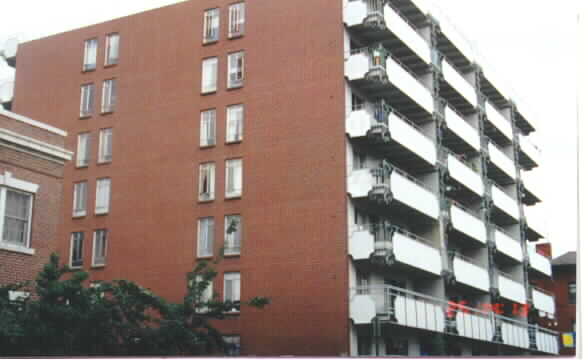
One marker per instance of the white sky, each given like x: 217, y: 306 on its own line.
x: 530, y: 43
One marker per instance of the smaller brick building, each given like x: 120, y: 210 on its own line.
x: 32, y: 157
x: 564, y: 288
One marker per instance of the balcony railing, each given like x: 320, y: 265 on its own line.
x: 459, y: 84
x: 510, y: 288
x: 468, y: 223
x: 499, y: 121
x: 502, y: 161
x: 504, y: 202
x: 465, y: 174
x: 543, y: 300
x: 507, y: 245
x: 415, y: 310
x: 538, y: 262
x: 467, y: 272
x: 530, y: 151
x: 6, y: 92
x: 461, y: 128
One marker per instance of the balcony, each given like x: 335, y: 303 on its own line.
x: 6, y: 94
x: 8, y: 51
x: 506, y: 209
x: 406, y: 308
x: 454, y: 45
x: 511, y: 289
x: 390, y: 190
x: 534, y: 225
x: 459, y: 136
x: 497, y: 128
x: 521, y: 120
x: 468, y: 273
x: 538, y: 263
x: 396, y: 139
x: 389, y: 245
x: 543, y: 300
x: 375, y: 72
x: 529, y: 154
x: 508, y: 247
x: 465, y: 175
x: 457, y: 90
x: 501, y: 168
x: 466, y: 226
x: 375, y: 22
x: 531, y: 189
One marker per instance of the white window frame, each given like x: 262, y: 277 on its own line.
x: 104, y: 146
x: 112, y: 47
x: 203, y: 195
x: 8, y: 245
x: 208, y: 128
x: 80, y: 212
x: 211, y: 31
x: 236, y: 20
x: 86, y: 100
x: 83, y: 150
x: 209, y: 75
x: 232, y: 280
x: 103, y: 194
x: 206, y: 225
x: 90, y: 54
x: 109, y: 95
x: 236, y: 69
x: 95, y: 258
x: 235, y: 120
x: 233, y: 167
x: 72, y: 248
x: 233, y: 241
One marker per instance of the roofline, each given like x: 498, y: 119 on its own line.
x: 35, y: 123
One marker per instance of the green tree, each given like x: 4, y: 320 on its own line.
x: 66, y: 318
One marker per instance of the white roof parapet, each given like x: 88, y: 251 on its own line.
x: 35, y: 123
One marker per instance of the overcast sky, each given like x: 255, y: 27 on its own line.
x: 532, y: 44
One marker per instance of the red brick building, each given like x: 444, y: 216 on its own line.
x: 246, y: 127
x: 32, y: 159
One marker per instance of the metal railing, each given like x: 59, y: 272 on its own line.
x: 469, y: 260
x: 460, y: 159
x: 465, y: 209
x: 499, y: 187
x: 541, y: 290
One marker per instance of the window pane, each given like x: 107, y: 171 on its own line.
x: 233, y: 232
x: 236, y: 20
x: 87, y: 100
x: 208, y: 128
x: 77, y: 240
x: 100, y: 247
x: 236, y: 73
x: 112, y: 45
x: 209, y: 75
x: 233, y: 345
x: 79, y: 205
x: 205, y: 237
x: 211, y: 25
x: 232, y: 288
x: 109, y: 95
x: 233, y: 178
x: 105, y: 148
x: 102, y: 196
x: 83, y: 151
x: 235, y: 123
x: 90, y: 51
x: 206, y: 187
x: 16, y: 218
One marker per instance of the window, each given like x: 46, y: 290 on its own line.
x: 105, y: 146
x: 77, y: 250
x: 90, y: 52
x: 232, y: 290
x: 357, y: 103
x: 233, y: 226
x: 208, y: 128
x: 108, y: 95
x: 102, y: 196
x: 206, y: 187
x: 209, y: 75
x: 236, y: 20
x: 234, y: 178
x: 16, y: 217
x: 87, y: 100
x: 79, y: 202
x: 233, y: 347
x: 205, y: 237
x: 83, y: 153
x: 236, y: 73
x: 235, y: 123
x: 205, y: 296
x: 100, y: 248
x: 112, y: 45
x: 572, y: 292
x: 211, y: 25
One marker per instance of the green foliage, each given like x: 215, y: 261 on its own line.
x: 65, y: 318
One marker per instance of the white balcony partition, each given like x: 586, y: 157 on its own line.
x: 407, y: 34
x: 359, y: 122
x: 360, y: 182
x: 543, y: 301
x: 512, y: 290
x: 410, y: 86
x: 475, y: 325
x: 456, y: 80
x: 547, y: 341
x: 361, y: 243
x: 412, y: 139
x: 499, y: 121
x: 355, y: 12
x: 465, y: 176
x: 508, y: 246
x: 502, y: 161
x: 357, y: 65
x: 6, y: 91
x: 416, y: 253
x: 471, y: 274
x: 468, y: 224
x: 414, y: 195
x: 464, y: 130
x: 362, y: 309
x: 505, y: 202
x: 419, y: 313
x: 539, y: 262
x: 515, y: 334
x: 530, y: 149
